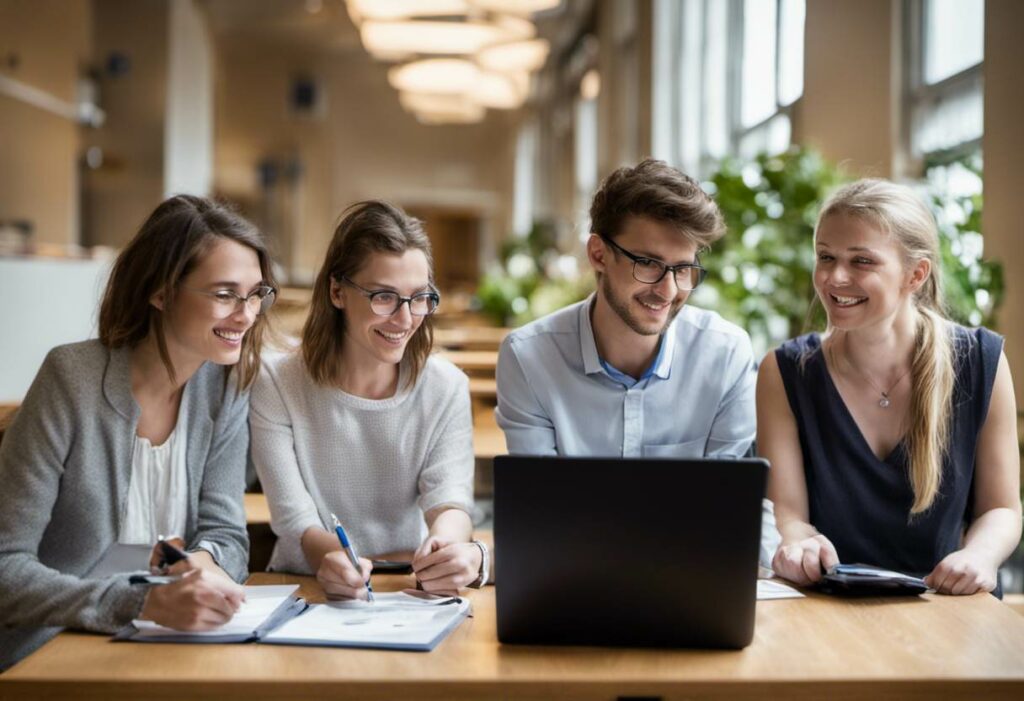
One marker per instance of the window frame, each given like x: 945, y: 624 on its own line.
x: 675, y: 78
x: 919, y: 95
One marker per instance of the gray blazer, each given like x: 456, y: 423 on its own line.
x: 65, y: 466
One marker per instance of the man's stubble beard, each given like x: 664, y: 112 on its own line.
x: 621, y: 308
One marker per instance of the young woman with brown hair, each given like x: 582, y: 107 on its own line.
x: 892, y: 437
x: 363, y: 423
x: 139, y: 435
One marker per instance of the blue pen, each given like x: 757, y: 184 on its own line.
x: 347, y: 547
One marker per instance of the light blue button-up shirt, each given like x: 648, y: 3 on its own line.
x: 557, y: 397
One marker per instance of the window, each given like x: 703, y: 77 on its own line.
x: 944, y: 96
x: 585, y: 147
x: 523, y: 189
x: 734, y: 68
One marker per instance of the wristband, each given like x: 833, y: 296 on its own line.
x: 485, y: 566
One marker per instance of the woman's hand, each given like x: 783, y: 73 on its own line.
x: 443, y: 567
x: 963, y: 572
x: 339, y: 578
x: 805, y: 561
x: 198, y: 601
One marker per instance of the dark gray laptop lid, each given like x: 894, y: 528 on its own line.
x: 638, y: 552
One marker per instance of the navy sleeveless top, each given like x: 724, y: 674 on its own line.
x: 862, y: 504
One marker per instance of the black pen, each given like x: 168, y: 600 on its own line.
x: 170, y: 554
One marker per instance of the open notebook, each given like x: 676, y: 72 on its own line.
x: 407, y: 620
x: 264, y: 609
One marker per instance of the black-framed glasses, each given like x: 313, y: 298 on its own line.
x: 647, y: 270
x: 227, y: 302
x: 387, y: 302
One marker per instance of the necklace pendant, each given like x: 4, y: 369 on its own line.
x: 884, y: 401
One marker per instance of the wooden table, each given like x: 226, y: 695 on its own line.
x: 256, y: 509
x: 930, y: 648
x: 470, y: 337
x: 473, y: 361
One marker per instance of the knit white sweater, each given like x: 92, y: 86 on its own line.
x: 379, y: 465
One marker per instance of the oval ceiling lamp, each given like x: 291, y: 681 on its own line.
x: 514, y: 56
x: 444, y: 76
x: 467, y: 114
x: 500, y: 90
x: 390, y: 10
x: 514, y: 28
x: 387, y: 39
x: 516, y: 7
x: 432, y: 102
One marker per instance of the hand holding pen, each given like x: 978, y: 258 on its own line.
x: 342, y: 573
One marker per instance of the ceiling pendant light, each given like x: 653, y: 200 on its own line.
x: 390, y: 39
x: 516, y: 7
x: 362, y: 10
x: 467, y: 113
x: 444, y: 76
x: 514, y: 56
x: 430, y: 103
x: 501, y: 91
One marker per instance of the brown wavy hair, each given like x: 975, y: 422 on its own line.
x: 658, y: 191
x: 366, y: 228
x: 169, y: 246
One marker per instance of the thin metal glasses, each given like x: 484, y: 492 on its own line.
x: 227, y: 302
x: 647, y: 270
x: 387, y: 302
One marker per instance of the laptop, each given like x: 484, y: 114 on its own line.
x: 627, y: 551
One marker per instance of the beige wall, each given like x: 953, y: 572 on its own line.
x: 849, y: 107
x: 364, y: 145
x: 38, y: 149
x: 1003, y: 146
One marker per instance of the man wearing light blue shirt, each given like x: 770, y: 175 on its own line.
x: 631, y: 371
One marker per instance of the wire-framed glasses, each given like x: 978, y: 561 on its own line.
x: 647, y: 270
x: 387, y: 302
x: 227, y: 302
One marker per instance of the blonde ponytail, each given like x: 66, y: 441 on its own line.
x: 932, y: 379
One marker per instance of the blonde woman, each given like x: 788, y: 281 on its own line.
x: 365, y: 424
x: 892, y: 436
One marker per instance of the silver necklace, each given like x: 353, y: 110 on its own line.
x: 884, y: 401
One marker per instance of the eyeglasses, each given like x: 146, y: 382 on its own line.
x: 227, y: 302
x: 650, y: 271
x: 387, y: 302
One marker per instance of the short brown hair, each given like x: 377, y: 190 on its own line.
x: 656, y: 190
x: 169, y: 246
x: 367, y: 227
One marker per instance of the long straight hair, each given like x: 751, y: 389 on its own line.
x: 366, y: 228
x: 169, y: 246
x: 896, y: 210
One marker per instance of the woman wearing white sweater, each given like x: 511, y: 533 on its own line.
x: 362, y: 422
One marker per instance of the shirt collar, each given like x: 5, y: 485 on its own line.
x: 588, y: 346
x: 662, y: 365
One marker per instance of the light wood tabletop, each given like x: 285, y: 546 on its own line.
x: 256, y: 509
x: 473, y: 360
x: 933, y: 647
x: 470, y: 337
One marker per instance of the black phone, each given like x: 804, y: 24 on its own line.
x: 865, y: 580
x: 391, y: 567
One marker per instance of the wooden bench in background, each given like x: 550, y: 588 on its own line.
x: 6, y: 417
